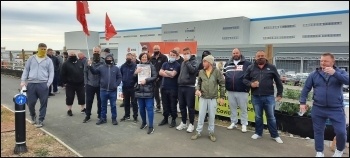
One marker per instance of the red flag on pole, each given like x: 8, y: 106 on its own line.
x: 109, y: 29
x: 82, y: 9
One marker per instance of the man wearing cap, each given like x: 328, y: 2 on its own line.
x: 207, y: 90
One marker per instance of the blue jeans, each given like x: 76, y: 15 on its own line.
x: 266, y: 103
x: 146, y: 104
x: 112, y: 96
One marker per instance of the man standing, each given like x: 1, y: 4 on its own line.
x: 237, y: 91
x: 127, y: 71
x: 158, y: 59
x: 186, y: 90
x: 82, y: 58
x: 56, y: 65
x: 72, y: 74
x: 110, y: 78
x: 179, y: 58
x: 60, y: 59
x: 209, y: 79
x: 169, y: 72
x: 262, y: 94
x: 38, y: 75
x: 92, y: 85
x: 327, y: 82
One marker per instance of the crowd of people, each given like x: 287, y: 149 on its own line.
x: 171, y: 80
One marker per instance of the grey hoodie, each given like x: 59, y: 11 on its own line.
x: 35, y: 72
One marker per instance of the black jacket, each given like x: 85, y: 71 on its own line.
x: 188, y: 72
x: 180, y: 60
x: 265, y: 76
x: 127, y: 71
x: 72, y: 73
x: 158, y: 62
x: 146, y: 91
x: 234, y: 75
x: 55, y: 62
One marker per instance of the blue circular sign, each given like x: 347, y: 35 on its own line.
x: 21, y: 99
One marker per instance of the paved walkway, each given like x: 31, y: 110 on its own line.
x: 126, y: 139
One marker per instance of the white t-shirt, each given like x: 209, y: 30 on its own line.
x: 236, y: 61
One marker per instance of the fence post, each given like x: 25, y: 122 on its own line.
x: 23, y: 56
x: 269, y: 53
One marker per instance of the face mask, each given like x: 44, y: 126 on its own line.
x: 72, y: 58
x: 171, y: 60
x: 96, y: 57
x: 108, y: 61
x: 261, y: 61
x: 156, y: 52
x: 128, y: 60
x: 41, y: 53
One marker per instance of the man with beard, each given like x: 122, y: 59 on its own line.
x: 92, y: 85
x: 158, y: 59
x: 261, y: 76
x: 237, y: 91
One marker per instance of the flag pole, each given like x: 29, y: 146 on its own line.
x: 87, y: 45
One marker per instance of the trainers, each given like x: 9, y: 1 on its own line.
x: 150, y: 130
x: 164, y: 122
x: 86, y: 119
x: 233, y: 125
x: 255, y: 136
x: 212, y: 137
x: 33, y: 121
x: 172, y: 124
x: 278, y: 140
x: 181, y: 126
x: 143, y: 126
x: 70, y: 113
x: 338, y: 153
x: 135, y: 120
x: 157, y: 110
x: 196, y: 136
x: 319, y: 154
x: 114, y: 122
x: 40, y: 124
x: 190, y: 128
x: 125, y: 118
x: 101, y: 121
x: 51, y: 94
x: 244, y: 128
x: 83, y: 111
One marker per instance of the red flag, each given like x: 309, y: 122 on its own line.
x: 109, y: 29
x: 82, y: 9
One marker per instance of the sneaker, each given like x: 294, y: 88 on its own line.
x: 233, y: 125
x: 158, y: 110
x: 244, y: 128
x: 101, y: 121
x: 143, y: 126
x: 190, y: 128
x: 255, y: 136
x: 70, y: 113
x: 212, y: 137
x: 172, y: 124
x: 51, y: 94
x: 86, y: 119
x: 320, y: 154
x: 125, y: 118
x: 278, y: 140
x: 114, y: 122
x: 196, y: 136
x: 40, y: 124
x: 135, y: 120
x: 150, y: 130
x: 122, y: 105
x: 33, y: 121
x: 338, y: 153
x: 83, y: 111
x: 164, y: 122
x: 181, y: 126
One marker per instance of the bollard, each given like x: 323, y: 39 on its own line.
x: 20, y: 101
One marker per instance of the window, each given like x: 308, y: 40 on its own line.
x: 168, y: 32
x: 321, y: 35
x: 279, y: 26
x: 278, y: 37
x: 230, y: 28
x: 171, y: 40
x: 322, y: 24
x: 130, y: 36
x: 103, y: 44
x: 102, y: 37
x: 146, y: 35
x: 160, y: 34
x: 192, y: 30
x: 189, y: 39
x: 113, y: 43
x: 230, y: 38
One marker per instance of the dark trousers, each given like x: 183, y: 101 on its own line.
x: 156, y: 92
x: 129, y: 96
x: 90, y: 92
x: 319, y: 116
x: 37, y: 91
x: 71, y: 90
x: 169, y: 100
x: 187, y: 100
x: 54, y: 83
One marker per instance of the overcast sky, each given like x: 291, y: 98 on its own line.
x: 25, y: 24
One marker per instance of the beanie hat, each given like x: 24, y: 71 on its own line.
x: 209, y: 59
x: 107, y: 50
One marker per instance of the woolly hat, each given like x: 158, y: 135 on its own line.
x: 209, y: 59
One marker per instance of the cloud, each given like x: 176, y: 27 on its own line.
x: 25, y: 24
